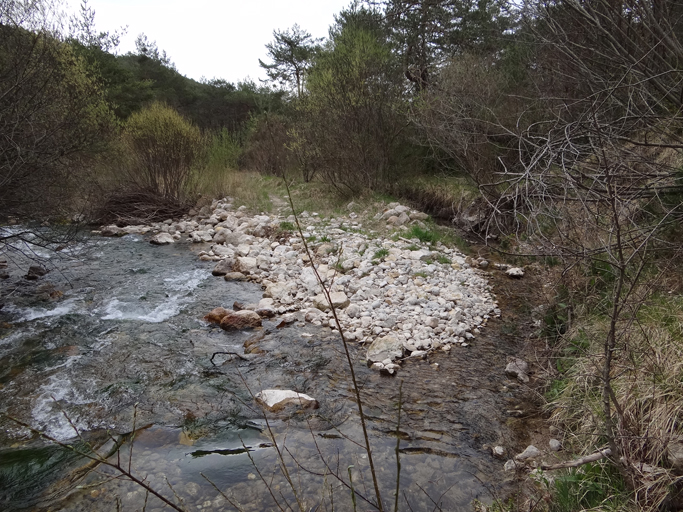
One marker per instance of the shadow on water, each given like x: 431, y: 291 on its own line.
x: 127, y: 335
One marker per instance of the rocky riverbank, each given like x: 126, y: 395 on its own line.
x: 401, y: 297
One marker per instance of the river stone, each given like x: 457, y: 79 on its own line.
x: 216, y: 315
x: 34, y: 272
x: 353, y: 311
x: 518, y: 369
x: 238, y: 320
x: 339, y: 301
x: 235, y: 276
x: 201, y: 237
x: 161, y: 239
x: 221, y: 235
x: 277, y: 399
x: 246, y: 264
x: 387, y: 347
x: 112, y: 230
x: 325, y: 249
x: 515, y: 272
x: 222, y: 267
x: 531, y: 452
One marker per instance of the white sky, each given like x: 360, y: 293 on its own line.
x: 212, y: 38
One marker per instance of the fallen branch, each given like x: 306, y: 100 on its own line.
x: 578, y: 462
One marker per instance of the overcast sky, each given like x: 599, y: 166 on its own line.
x: 212, y: 38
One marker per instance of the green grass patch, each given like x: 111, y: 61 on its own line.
x: 380, y: 254
x: 287, y: 226
x: 596, y: 486
x: 424, y: 235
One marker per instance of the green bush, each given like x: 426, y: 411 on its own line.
x: 164, y: 147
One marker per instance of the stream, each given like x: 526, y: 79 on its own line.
x: 112, y: 339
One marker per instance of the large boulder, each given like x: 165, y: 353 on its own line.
x: 277, y: 399
x: 384, y: 348
x: 238, y: 320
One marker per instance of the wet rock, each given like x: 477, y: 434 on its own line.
x: 235, y: 276
x: 112, y: 230
x: 266, y: 312
x: 35, y: 271
x: 511, y: 465
x: 162, y: 239
x: 387, y: 347
x: 515, y: 272
x: 518, y: 369
x: 498, y: 452
x: 222, y: 268
x: 555, y: 445
x: 216, y: 315
x: 339, y: 301
x: 531, y: 452
x: 238, y: 320
x: 277, y: 399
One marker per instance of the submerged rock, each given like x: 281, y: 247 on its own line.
x: 277, y: 399
x: 34, y: 272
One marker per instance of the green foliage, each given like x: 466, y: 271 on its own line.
x: 424, y: 235
x: 592, y: 486
x: 444, y: 260
x: 224, y: 151
x: 53, y: 116
x: 353, y: 109
x: 165, y: 147
x: 380, y: 254
x: 287, y: 226
x: 291, y: 52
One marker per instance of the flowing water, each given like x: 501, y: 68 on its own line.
x: 113, y: 337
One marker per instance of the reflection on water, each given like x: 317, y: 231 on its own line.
x: 127, y: 338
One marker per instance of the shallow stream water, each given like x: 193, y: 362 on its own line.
x: 113, y: 337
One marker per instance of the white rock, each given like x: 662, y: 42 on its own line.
x: 555, y: 445
x: 161, y: 239
x: 531, y: 452
x: 277, y: 399
x: 515, y: 272
x: 387, y: 347
x: 339, y: 301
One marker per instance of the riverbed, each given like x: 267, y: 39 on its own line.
x: 113, y: 337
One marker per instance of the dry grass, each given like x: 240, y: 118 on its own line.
x: 648, y: 384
